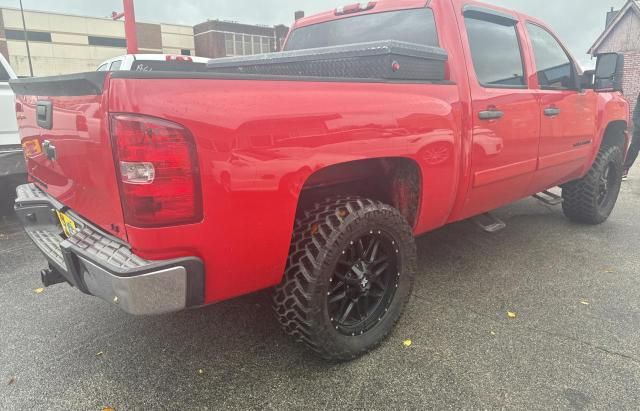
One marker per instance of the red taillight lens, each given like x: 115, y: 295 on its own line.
x: 157, y: 170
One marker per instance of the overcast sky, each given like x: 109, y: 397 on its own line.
x: 578, y: 22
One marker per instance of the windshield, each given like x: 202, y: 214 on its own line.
x: 412, y: 26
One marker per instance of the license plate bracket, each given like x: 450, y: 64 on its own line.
x: 68, y: 225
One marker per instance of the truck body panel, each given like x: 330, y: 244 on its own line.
x: 255, y: 159
x: 78, y: 170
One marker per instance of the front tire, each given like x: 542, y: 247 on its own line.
x: 349, y: 275
x: 591, y: 199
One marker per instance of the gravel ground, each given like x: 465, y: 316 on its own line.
x: 575, y: 342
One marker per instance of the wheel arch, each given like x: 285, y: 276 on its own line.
x: 615, y: 134
x: 396, y: 181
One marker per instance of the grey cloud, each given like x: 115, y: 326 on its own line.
x: 577, y: 22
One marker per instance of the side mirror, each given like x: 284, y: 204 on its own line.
x: 609, y: 72
x: 587, y: 80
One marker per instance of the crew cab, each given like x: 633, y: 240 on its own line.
x: 12, y: 167
x: 312, y: 171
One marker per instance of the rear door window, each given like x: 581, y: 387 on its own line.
x: 411, y: 26
x: 496, y: 53
x: 555, y: 70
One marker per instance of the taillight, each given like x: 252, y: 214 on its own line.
x: 158, y: 171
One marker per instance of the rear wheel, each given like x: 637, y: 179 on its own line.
x: 349, y: 275
x: 591, y: 199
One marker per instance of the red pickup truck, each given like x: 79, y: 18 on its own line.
x: 160, y: 191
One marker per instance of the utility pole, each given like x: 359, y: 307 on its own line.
x: 130, y: 32
x: 26, y: 39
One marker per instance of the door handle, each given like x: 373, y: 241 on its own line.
x: 551, y: 111
x: 492, y: 114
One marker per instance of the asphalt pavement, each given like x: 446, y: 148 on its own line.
x: 574, y: 342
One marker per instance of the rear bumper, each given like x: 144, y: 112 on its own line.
x: 101, y: 265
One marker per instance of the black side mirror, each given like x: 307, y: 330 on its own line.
x: 587, y: 80
x: 609, y: 72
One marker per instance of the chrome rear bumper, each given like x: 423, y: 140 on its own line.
x: 104, y: 266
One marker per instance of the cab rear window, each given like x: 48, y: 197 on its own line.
x: 412, y: 26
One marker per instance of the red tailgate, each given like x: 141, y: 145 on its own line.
x: 64, y: 126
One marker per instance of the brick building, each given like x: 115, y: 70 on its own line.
x: 622, y: 35
x: 215, y: 38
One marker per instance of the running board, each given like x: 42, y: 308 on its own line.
x: 549, y: 198
x: 489, y: 223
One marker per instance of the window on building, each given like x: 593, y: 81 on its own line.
x: 239, y: 49
x: 185, y: 52
x: 247, y: 44
x: 107, y: 41
x: 228, y: 44
x: 495, y: 51
x: 265, y: 45
x: 555, y: 70
x: 257, y: 49
x: 31, y: 35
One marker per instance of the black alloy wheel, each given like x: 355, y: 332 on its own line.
x: 349, y: 275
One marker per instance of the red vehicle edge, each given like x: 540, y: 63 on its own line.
x: 163, y: 191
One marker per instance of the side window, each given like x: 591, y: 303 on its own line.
x: 103, y: 67
x: 495, y: 50
x: 115, y: 66
x: 555, y: 70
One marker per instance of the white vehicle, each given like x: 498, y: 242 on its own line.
x: 154, y: 62
x: 12, y: 167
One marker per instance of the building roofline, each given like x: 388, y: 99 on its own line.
x: 90, y: 17
x: 632, y: 5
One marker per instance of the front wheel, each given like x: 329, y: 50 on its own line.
x: 591, y: 199
x: 349, y: 275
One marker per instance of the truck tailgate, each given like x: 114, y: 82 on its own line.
x: 64, y: 128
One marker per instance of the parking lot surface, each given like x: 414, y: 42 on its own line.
x: 574, y: 342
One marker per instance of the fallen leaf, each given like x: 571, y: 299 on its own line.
x: 107, y: 409
x: 12, y: 380
x: 39, y: 290
x: 200, y: 371
x: 584, y: 302
x: 493, y: 333
x: 609, y: 271
x: 511, y: 314
x: 314, y: 229
x: 407, y: 343
x: 99, y: 353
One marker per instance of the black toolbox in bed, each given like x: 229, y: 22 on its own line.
x: 386, y: 60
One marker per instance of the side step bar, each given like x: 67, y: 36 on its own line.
x: 549, y: 198
x: 489, y: 223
